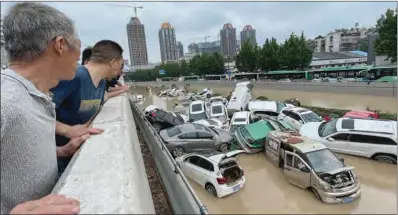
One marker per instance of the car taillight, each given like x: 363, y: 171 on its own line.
x: 153, y: 114
x: 221, y: 180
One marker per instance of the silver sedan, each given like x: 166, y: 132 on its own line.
x: 191, y: 137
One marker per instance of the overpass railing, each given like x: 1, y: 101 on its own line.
x: 182, y: 197
x: 108, y: 174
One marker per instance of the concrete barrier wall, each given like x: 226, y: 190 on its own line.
x: 108, y: 174
x: 182, y: 198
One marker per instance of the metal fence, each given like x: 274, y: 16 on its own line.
x: 182, y: 197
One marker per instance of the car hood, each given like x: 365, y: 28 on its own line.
x: 310, y: 130
x: 224, y: 135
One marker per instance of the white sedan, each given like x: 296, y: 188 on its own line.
x: 218, y: 173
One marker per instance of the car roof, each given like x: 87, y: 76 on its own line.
x: 263, y: 105
x: 384, y: 127
x: 217, y: 103
x: 259, y: 130
x: 298, y: 110
x: 307, y: 145
x: 188, y: 127
x: 241, y: 114
x: 197, y: 102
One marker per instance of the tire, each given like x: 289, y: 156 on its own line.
x: 386, y: 159
x: 224, y: 147
x: 157, y: 127
x: 208, y: 96
x: 177, y: 151
x: 211, y: 189
x: 316, y: 194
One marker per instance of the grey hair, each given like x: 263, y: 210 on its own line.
x: 29, y: 28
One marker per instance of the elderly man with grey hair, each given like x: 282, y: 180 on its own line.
x: 43, y: 48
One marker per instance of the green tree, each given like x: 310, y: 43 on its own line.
x: 363, y: 44
x: 386, y: 44
x: 305, y: 50
x: 246, y: 59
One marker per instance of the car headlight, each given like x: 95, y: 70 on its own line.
x: 324, y: 185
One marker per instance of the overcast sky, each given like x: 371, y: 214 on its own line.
x: 193, y: 20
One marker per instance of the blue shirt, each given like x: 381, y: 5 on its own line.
x: 78, y: 100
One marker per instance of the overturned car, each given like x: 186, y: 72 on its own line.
x: 313, y: 166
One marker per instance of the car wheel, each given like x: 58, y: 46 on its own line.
x: 316, y: 194
x: 211, y: 189
x: 208, y: 96
x: 178, y: 151
x: 157, y: 127
x: 223, y: 147
x: 386, y: 159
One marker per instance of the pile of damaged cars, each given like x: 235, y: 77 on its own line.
x: 215, y: 132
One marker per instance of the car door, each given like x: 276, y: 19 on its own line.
x: 338, y: 143
x: 364, y: 145
x: 296, y: 170
x: 206, y: 141
x: 288, y: 118
x: 204, y: 171
x: 189, y: 141
x: 192, y: 169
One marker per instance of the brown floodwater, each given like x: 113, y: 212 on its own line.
x: 267, y: 191
x: 318, y: 99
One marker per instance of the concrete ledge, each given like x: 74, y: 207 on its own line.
x: 108, y: 174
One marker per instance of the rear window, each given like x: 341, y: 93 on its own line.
x: 239, y: 120
x: 173, y: 131
x: 197, y: 107
x: 216, y: 109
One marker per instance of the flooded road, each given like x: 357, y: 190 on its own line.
x: 318, y: 99
x: 267, y: 191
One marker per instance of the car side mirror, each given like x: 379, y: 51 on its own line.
x: 330, y: 139
x: 342, y: 160
x: 302, y: 167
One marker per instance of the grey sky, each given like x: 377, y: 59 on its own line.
x: 193, y: 20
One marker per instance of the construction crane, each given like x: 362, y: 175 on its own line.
x: 206, y: 37
x: 198, y: 38
x: 135, y: 7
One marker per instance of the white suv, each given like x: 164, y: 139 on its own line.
x: 218, y: 173
x: 375, y: 139
x: 298, y: 116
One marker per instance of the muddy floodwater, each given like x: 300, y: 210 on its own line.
x: 318, y: 99
x: 267, y: 191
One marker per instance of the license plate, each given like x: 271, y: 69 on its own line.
x: 236, y: 188
x: 347, y: 200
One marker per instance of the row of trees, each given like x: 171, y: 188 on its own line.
x: 293, y: 54
x: 199, y: 65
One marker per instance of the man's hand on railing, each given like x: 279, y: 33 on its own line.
x: 50, y: 204
x: 79, y: 130
x: 115, y: 91
x: 73, y: 145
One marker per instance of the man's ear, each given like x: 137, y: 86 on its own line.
x: 59, y: 45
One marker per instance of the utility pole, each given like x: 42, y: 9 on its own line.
x: 205, y: 41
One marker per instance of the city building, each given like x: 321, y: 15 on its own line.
x: 180, y: 49
x: 137, y: 42
x: 228, y: 40
x: 341, y: 40
x: 338, y: 59
x: 187, y: 57
x: 248, y: 34
x: 209, y: 47
x: 168, y: 43
x: 193, y: 48
x: 4, y: 59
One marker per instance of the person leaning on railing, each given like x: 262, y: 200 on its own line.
x: 77, y: 101
x: 43, y: 48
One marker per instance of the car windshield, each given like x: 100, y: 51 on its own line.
x: 197, y: 108
x: 264, y: 113
x: 216, y: 109
x: 327, y: 128
x: 198, y: 116
x: 280, y: 106
x: 240, y: 120
x: 233, y: 128
x: 245, y: 134
x: 311, y: 117
x: 277, y: 125
x: 324, y: 161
